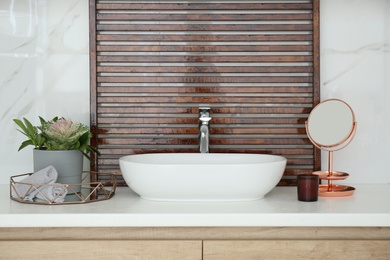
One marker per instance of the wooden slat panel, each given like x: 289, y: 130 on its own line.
x: 255, y: 64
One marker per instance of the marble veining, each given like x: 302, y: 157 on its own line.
x: 45, y: 69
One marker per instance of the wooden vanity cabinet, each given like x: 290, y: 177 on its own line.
x: 208, y: 243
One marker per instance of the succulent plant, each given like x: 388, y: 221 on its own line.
x: 56, y: 134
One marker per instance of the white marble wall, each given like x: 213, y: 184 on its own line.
x: 44, y: 71
x: 355, y: 67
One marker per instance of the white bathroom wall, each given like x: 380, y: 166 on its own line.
x: 355, y: 67
x: 44, y: 71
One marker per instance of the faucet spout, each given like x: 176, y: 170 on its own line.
x: 204, y: 139
x: 204, y: 129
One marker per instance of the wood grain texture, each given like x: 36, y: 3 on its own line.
x: 195, y: 233
x: 255, y: 64
x: 304, y: 249
x: 104, y: 249
x: 195, y: 243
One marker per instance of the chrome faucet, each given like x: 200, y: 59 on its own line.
x: 204, y: 129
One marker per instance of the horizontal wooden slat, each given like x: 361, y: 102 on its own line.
x: 203, y: 58
x: 204, y: 6
x: 202, y: 17
x: 117, y: 130
x: 206, y: 69
x: 188, y: 90
x: 244, y: 37
x: 191, y: 120
x: 204, y: 27
x: 194, y: 111
x: 293, y: 151
x: 203, y: 99
x: 212, y: 79
x: 206, y: 48
x: 214, y: 141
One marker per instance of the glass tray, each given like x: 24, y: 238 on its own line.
x: 79, y: 193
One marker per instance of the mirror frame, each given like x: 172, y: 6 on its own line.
x: 344, y: 141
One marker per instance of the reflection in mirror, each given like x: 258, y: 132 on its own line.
x: 331, y: 126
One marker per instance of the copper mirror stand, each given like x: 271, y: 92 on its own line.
x: 330, y: 189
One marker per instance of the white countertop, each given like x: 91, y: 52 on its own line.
x: 368, y: 206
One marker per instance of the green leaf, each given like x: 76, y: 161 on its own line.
x: 21, y: 125
x: 84, y: 139
x: 91, y: 149
x: 24, y: 144
x: 86, y: 156
x: 31, y: 130
x: 40, y: 140
x: 43, y: 121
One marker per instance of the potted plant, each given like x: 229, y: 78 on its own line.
x: 59, y: 142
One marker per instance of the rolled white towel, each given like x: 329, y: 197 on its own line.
x: 53, y: 193
x: 29, y: 186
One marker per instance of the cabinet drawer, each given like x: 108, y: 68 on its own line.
x: 296, y: 249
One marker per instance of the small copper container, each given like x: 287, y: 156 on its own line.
x: 307, y: 185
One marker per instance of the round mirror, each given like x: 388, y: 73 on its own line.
x: 330, y: 124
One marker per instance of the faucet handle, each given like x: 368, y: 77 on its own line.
x: 204, y: 111
x: 204, y: 114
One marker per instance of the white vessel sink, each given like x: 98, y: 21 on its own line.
x: 202, y: 177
